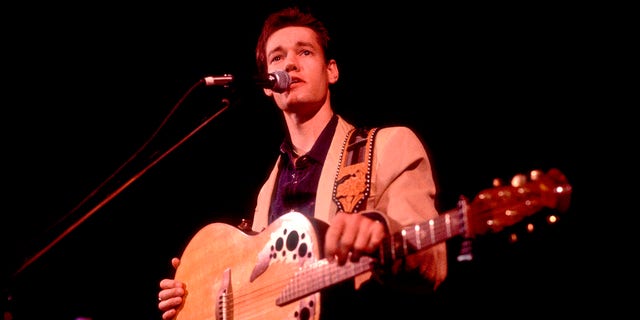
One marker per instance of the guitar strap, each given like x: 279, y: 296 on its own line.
x: 353, y: 179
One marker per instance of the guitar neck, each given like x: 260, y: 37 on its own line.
x: 421, y: 236
x: 491, y: 210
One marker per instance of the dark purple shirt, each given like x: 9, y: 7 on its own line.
x: 297, y: 183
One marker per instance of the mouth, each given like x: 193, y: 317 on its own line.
x: 295, y: 80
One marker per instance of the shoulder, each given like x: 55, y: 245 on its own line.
x: 400, y: 130
x: 397, y: 133
x: 398, y: 141
x: 394, y: 137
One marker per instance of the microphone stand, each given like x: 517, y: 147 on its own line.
x: 225, y: 105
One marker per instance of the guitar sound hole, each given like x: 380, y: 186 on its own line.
x: 292, y: 241
x: 305, y: 314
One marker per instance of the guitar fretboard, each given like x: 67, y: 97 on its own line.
x: 421, y: 236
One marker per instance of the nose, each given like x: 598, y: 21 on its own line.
x: 291, y: 65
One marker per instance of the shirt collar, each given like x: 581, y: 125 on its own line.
x: 320, y: 147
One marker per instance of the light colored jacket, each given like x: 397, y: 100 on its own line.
x: 403, y: 189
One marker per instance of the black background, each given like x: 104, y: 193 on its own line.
x: 492, y: 91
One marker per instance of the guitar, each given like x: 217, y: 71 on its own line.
x: 279, y: 273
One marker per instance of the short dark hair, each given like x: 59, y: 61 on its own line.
x: 289, y: 17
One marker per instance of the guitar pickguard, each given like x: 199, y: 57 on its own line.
x: 290, y: 242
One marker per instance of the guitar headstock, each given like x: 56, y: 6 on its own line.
x: 495, y: 208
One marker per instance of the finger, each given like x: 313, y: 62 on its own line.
x: 378, y: 233
x: 369, y: 237
x: 167, y: 294
x: 169, y: 314
x: 169, y: 303
x: 170, y: 283
x: 361, y: 244
x: 175, y: 262
x: 332, y: 237
x: 350, y: 233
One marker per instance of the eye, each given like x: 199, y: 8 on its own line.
x: 276, y: 58
x: 305, y: 52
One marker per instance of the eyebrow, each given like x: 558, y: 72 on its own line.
x: 301, y: 44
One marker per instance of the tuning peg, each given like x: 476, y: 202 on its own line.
x: 497, y: 182
x: 536, y: 174
x: 518, y: 180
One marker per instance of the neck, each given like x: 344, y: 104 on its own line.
x: 305, y: 133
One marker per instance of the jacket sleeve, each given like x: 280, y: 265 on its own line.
x: 404, y: 192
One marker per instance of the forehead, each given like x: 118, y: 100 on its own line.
x: 291, y: 37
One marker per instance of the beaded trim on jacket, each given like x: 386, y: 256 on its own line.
x: 353, y: 179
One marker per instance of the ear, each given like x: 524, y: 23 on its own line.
x: 332, y: 71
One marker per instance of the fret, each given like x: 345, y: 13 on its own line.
x: 404, y: 242
x: 432, y: 233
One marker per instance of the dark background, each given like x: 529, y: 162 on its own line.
x: 493, y: 91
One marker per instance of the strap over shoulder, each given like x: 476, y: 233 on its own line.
x: 353, y: 179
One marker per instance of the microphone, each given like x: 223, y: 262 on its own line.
x: 278, y: 81
x: 223, y: 80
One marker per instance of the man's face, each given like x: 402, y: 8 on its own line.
x: 297, y: 51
